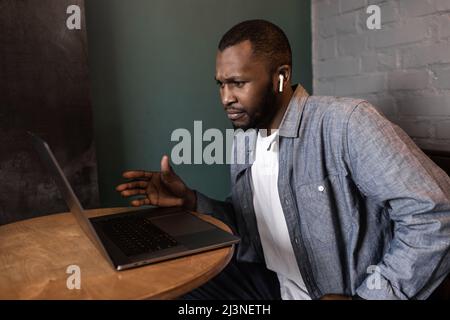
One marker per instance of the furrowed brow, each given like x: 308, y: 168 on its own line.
x: 229, y: 80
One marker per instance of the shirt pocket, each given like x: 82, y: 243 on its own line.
x: 323, y: 210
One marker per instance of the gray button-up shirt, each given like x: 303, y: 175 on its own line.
x: 367, y: 212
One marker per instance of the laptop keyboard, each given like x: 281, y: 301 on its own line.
x: 137, y: 235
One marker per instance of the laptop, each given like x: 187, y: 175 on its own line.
x: 144, y: 236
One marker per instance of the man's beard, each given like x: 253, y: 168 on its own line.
x: 265, y: 113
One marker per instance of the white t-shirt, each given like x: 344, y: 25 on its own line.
x: 275, y: 240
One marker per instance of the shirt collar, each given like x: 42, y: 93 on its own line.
x: 291, y: 120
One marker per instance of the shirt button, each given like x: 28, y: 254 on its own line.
x: 321, y: 188
x: 296, y: 240
x: 286, y: 201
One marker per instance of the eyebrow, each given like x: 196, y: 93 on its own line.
x: 228, y: 80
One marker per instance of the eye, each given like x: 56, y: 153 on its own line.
x: 239, y: 84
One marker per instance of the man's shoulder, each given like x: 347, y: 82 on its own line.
x: 331, y: 115
x: 333, y: 106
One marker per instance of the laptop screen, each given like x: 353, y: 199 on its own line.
x: 52, y: 165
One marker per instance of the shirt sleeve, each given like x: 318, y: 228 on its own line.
x: 389, y: 168
x: 222, y: 210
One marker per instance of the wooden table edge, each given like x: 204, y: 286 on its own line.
x: 178, y: 290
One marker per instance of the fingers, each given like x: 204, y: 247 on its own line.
x: 132, y: 185
x: 166, y: 170
x: 137, y: 174
x: 133, y: 192
x: 140, y: 202
x: 165, y: 165
x: 163, y: 202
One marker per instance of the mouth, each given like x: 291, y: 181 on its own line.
x: 235, y: 115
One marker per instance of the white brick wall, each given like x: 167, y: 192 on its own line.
x: 403, y: 69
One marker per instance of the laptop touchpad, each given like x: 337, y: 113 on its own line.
x: 181, y: 224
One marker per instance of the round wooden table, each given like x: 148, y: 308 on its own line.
x: 35, y: 255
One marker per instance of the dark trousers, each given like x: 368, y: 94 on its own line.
x: 239, y: 281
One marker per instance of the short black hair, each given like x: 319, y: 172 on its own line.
x: 267, y: 39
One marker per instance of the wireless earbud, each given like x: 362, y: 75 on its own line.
x: 280, y: 89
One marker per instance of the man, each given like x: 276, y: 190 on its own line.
x: 333, y: 199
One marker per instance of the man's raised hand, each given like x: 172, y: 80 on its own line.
x: 159, y: 188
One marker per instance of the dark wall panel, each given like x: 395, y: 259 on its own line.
x: 152, y: 66
x: 43, y: 88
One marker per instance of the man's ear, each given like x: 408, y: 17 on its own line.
x: 284, y: 70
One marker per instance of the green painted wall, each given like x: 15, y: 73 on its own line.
x: 152, y: 65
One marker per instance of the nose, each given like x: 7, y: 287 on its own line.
x: 228, y: 98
